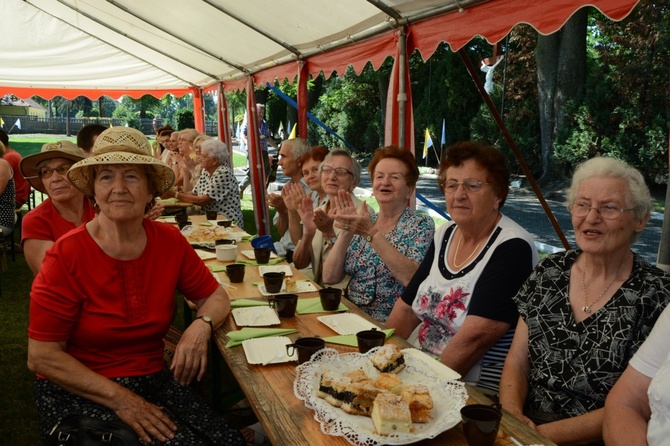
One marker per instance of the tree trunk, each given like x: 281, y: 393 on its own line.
x: 561, y: 74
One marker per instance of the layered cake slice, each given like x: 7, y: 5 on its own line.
x: 388, y: 359
x: 419, y: 400
x: 390, y: 414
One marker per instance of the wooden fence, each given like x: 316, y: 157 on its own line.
x: 18, y: 125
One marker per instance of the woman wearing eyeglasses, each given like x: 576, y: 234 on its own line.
x: 338, y: 171
x: 64, y: 210
x: 458, y: 306
x: 585, y: 312
x: 380, y: 252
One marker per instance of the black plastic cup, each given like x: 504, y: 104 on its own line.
x: 273, y: 281
x: 262, y: 254
x: 306, y: 347
x: 285, y: 304
x: 330, y: 298
x: 369, y: 339
x: 235, y: 272
x: 480, y: 424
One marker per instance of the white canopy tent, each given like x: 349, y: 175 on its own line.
x: 91, y: 47
x: 115, y: 47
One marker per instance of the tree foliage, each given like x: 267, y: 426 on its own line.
x: 625, y: 109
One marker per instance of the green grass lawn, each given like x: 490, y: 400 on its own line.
x: 30, y: 144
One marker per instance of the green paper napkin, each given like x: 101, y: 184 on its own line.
x: 262, y: 283
x: 255, y: 263
x: 313, y: 305
x: 239, y: 303
x: 248, y: 238
x: 217, y: 268
x: 351, y: 340
x: 236, y: 337
x: 205, y: 223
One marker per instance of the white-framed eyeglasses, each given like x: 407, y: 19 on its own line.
x: 608, y: 211
x: 469, y: 185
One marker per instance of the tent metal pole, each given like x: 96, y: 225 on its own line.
x: 224, y: 122
x: 402, y: 91
x: 303, y: 75
x: 508, y: 137
x: 256, y: 165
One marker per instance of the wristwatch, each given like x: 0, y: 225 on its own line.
x: 332, y: 240
x: 207, y: 319
x: 369, y: 237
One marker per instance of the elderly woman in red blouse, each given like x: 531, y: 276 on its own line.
x: 104, y: 300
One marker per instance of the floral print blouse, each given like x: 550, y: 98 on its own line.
x: 443, y: 298
x: 372, y: 286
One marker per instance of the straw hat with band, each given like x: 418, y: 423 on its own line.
x: 122, y: 136
x: 81, y: 174
x: 60, y: 149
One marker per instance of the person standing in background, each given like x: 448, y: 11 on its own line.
x: 266, y: 138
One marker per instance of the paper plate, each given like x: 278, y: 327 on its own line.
x: 266, y: 351
x: 255, y: 316
x: 204, y: 255
x: 286, y: 269
x: 249, y: 253
x: 301, y: 286
x: 347, y: 323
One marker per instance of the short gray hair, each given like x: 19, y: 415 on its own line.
x: 216, y: 149
x: 298, y: 146
x: 355, y: 165
x: 637, y: 197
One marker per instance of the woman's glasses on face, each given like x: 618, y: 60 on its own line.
x: 608, y: 211
x: 470, y: 185
x: 48, y: 173
x: 340, y: 171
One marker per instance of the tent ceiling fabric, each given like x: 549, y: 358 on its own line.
x: 115, y: 47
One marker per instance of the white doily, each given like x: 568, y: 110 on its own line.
x: 449, y: 397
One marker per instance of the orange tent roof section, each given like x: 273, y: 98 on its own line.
x: 37, y: 63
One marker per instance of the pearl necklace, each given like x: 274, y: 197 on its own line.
x: 458, y: 245
x: 587, y: 307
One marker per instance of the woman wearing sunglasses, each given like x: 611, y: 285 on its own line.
x: 65, y: 209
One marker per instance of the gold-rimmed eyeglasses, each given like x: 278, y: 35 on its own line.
x: 469, y: 185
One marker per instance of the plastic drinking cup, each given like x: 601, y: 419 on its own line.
x: 306, y: 347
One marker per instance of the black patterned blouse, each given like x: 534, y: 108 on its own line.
x: 223, y: 189
x: 574, y: 365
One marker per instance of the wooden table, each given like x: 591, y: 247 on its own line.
x: 287, y: 421
x: 269, y: 389
x: 172, y: 206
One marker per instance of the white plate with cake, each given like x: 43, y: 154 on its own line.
x: 352, y: 398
